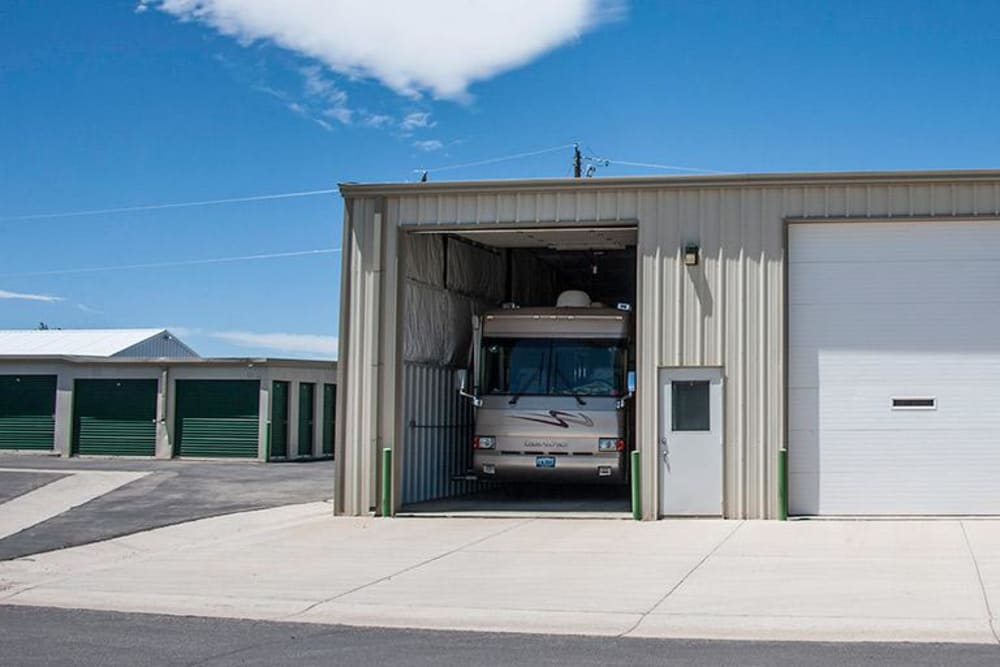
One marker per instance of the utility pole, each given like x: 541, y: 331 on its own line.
x: 577, y: 161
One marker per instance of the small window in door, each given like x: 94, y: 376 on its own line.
x: 689, y: 408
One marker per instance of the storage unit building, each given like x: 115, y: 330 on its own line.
x: 844, y: 323
x: 109, y: 417
x: 189, y: 407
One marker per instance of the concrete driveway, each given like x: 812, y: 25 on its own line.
x: 51, y: 503
x: 920, y: 581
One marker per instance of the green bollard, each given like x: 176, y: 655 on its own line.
x: 636, y: 500
x: 387, y: 481
x: 782, y: 485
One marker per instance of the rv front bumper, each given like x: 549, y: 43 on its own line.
x: 566, y: 468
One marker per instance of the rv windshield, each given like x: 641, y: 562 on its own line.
x: 560, y: 366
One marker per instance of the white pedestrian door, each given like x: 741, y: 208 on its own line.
x: 690, y: 441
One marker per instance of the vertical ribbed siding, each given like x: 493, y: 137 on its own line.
x: 369, y: 405
x: 729, y: 311
x: 725, y: 312
x: 437, y: 435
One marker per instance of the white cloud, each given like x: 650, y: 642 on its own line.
x: 339, y: 114
x: 377, y: 120
x: 317, y: 85
x: 30, y: 297
x: 416, y: 120
x: 324, y: 93
x: 441, y: 46
x: 429, y: 145
x: 283, y: 342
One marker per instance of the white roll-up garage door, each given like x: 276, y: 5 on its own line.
x: 894, y: 368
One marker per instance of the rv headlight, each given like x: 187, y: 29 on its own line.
x: 610, y: 445
x: 484, y: 442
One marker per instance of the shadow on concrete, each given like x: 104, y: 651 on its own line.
x: 549, y: 500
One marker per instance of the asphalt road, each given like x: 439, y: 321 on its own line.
x: 14, y: 484
x: 175, y: 492
x: 52, y: 637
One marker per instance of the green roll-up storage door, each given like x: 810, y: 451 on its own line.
x: 114, y: 417
x: 217, y: 418
x: 27, y: 412
x: 307, y: 416
x: 329, y: 417
x: 279, y: 419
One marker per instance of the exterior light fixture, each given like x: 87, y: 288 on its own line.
x: 691, y: 253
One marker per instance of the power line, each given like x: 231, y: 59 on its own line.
x: 314, y: 193
x: 156, y: 207
x: 671, y: 167
x: 163, y: 265
x: 479, y: 163
x: 594, y: 162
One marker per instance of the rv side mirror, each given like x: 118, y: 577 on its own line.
x: 461, y: 380
x: 461, y: 377
x: 630, y: 385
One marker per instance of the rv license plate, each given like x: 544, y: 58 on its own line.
x: 545, y: 462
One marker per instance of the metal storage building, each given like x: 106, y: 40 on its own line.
x: 28, y: 402
x: 188, y: 407
x: 844, y: 321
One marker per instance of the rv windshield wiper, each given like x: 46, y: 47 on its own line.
x: 579, y: 401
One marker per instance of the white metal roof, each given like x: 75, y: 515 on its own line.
x: 81, y: 342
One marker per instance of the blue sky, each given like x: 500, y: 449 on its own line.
x: 122, y: 103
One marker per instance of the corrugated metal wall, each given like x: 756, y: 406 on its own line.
x: 445, y: 282
x: 368, y: 401
x: 729, y: 310
x: 437, y: 435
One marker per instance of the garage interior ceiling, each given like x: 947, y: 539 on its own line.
x: 553, y: 238
x: 607, y: 276
x: 600, y: 259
